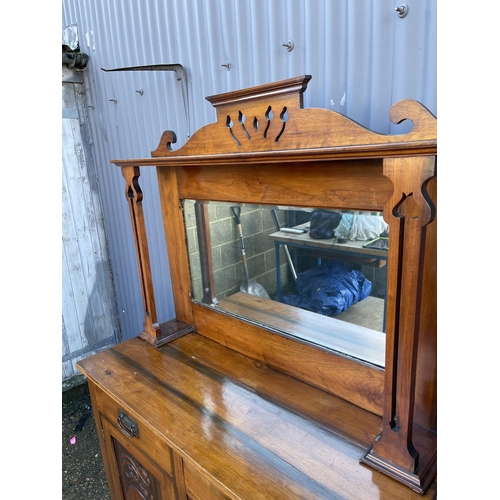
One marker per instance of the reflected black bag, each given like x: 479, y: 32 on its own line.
x: 323, y: 224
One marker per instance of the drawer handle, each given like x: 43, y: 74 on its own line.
x: 127, y: 424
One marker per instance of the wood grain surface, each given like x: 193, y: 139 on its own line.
x: 226, y: 415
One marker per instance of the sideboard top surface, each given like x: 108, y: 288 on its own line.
x: 229, y: 414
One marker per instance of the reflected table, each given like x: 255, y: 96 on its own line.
x: 350, y: 251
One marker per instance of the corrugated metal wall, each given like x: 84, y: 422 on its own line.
x: 362, y: 56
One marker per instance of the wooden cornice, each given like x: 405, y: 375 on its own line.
x: 267, y: 124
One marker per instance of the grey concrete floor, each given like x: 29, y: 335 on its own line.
x: 83, y: 476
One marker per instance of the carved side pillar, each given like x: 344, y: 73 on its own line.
x: 405, y: 451
x: 153, y: 332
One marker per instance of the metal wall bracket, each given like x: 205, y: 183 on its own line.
x: 180, y: 75
x: 76, y: 60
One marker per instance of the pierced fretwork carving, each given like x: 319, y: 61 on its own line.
x: 255, y: 124
x: 242, y: 119
x: 268, y: 118
x: 284, y: 119
x: 229, y: 125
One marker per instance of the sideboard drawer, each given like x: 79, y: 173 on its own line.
x: 135, y: 429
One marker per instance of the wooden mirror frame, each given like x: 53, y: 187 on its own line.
x: 270, y: 150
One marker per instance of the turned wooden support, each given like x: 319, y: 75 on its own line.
x: 408, y: 212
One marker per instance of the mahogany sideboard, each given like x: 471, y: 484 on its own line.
x: 240, y: 396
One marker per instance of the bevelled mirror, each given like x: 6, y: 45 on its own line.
x: 319, y: 276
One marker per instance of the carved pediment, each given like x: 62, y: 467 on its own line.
x: 271, y: 118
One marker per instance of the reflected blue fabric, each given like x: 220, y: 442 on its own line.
x: 329, y: 289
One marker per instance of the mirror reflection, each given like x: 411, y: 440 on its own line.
x: 317, y: 275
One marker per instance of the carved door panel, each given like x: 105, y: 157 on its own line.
x: 134, y: 476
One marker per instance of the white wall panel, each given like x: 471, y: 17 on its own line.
x: 361, y: 55
x: 89, y: 319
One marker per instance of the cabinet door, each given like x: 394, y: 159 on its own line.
x: 134, y: 476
